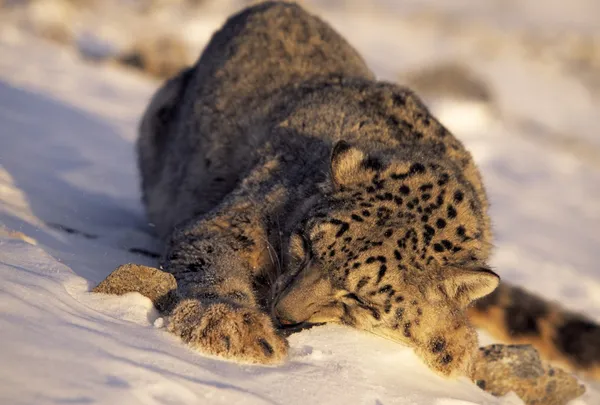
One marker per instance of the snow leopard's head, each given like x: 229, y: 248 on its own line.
x: 394, y: 248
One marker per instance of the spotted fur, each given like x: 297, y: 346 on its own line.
x: 566, y: 338
x: 292, y: 188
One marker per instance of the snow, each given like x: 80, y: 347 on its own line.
x: 68, y: 184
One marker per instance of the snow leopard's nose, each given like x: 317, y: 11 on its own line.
x: 282, y: 318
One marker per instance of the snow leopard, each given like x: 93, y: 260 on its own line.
x: 293, y: 188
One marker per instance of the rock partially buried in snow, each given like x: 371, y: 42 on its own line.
x: 153, y: 283
x: 161, y: 56
x: 449, y: 80
x: 518, y: 368
x: 459, y: 98
x: 52, y: 19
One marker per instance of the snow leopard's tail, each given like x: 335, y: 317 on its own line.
x: 513, y: 315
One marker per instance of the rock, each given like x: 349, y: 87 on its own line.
x: 460, y: 98
x: 504, y: 368
x: 450, y: 80
x: 153, y: 283
x: 52, y: 19
x: 162, y: 56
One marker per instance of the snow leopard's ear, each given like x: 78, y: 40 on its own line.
x: 466, y: 285
x: 346, y: 164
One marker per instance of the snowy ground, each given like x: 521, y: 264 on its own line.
x: 68, y: 182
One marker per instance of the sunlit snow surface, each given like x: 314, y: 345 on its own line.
x: 68, y: 182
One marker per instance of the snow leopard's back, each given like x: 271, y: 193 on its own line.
x: 200, y: 133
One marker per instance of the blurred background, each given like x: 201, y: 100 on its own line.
x: 517, y: 80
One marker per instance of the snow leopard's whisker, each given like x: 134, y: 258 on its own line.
x: 275, y: 261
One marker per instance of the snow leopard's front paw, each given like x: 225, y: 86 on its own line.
x: 228, y: 330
